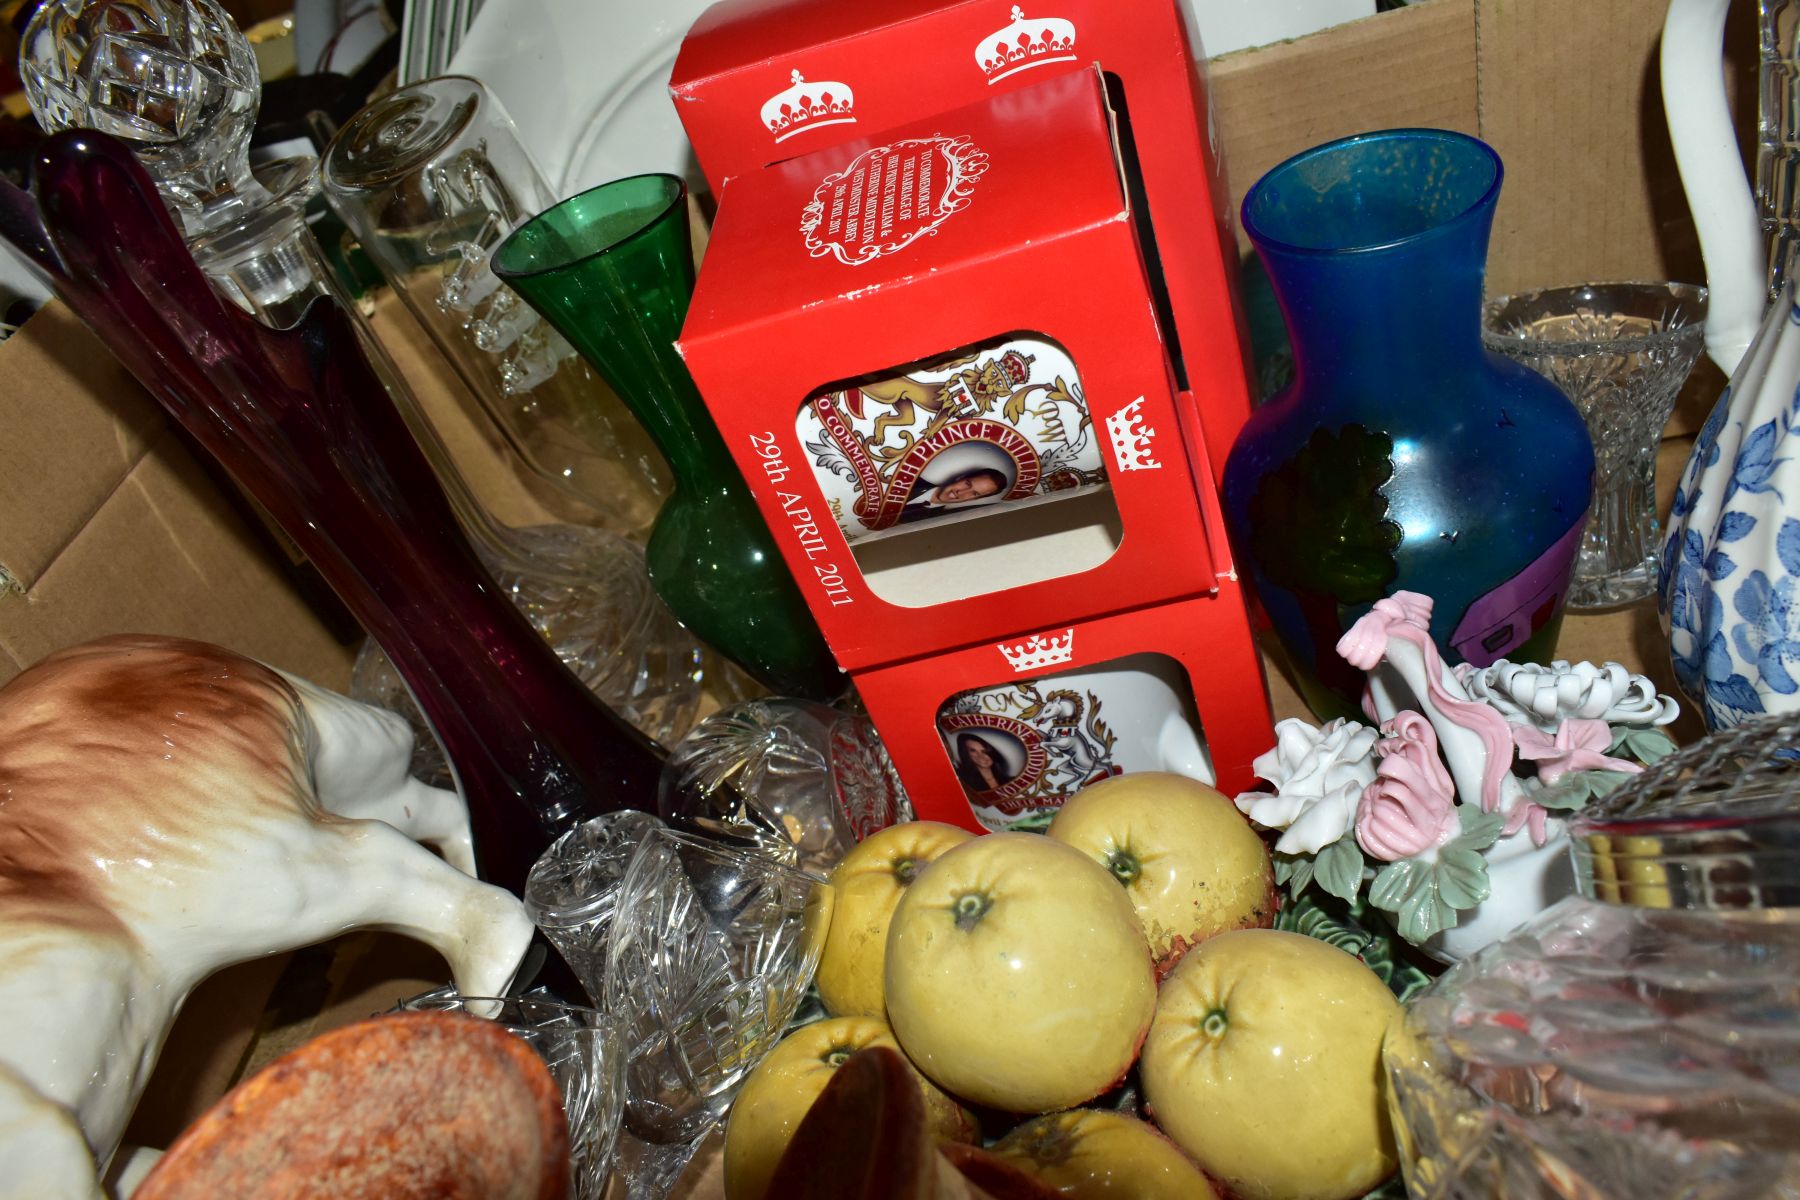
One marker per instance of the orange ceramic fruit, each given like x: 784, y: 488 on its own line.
x: 413, y: 1106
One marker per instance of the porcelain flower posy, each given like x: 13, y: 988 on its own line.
x: 1318, y: 773
x: 1546, y: 696
x: 1474, y: 768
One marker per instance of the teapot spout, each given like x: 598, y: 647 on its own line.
x: 1713, y: 176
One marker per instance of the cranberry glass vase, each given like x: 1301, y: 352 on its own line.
x: 305, y: 426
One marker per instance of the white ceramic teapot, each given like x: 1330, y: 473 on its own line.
x: 1729, y: 578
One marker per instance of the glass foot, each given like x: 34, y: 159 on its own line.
x: 1613, y: 590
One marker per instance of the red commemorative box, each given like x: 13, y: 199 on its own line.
x: 758, y: 81
x: 935, y: 358
x: 1006, y: 731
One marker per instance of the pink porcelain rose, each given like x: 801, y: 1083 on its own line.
x: 1411, y: 805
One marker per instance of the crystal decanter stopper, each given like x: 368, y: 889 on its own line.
x: 176, y: 80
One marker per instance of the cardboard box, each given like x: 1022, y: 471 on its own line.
x: 106, y: 525
x: 758, y: 81
x: 1017, y: 226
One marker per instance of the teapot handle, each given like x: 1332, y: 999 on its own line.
x: 1712, y: 174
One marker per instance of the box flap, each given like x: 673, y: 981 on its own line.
x: 848, y: 220
x: 730, y: 35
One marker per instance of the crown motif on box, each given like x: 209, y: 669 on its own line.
x: 1025, y: 44
x: 1131, y: 438
x: 808, y: 106
x: 1037, y: 651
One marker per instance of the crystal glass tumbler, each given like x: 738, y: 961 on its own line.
x: 712, y: 949
x: 1621, y: 351
x: 431, y: 179
x: 573, y: 889
x: 582, y: 1049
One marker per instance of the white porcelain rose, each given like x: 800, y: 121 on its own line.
x: 1318, y: 775
x: 1546, y: 696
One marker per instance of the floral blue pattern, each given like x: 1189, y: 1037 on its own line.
x: 1729, y: 574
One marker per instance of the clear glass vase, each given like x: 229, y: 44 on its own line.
x: 431, y: 179
x: 1620, y: 351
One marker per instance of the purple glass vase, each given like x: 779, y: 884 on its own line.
x: 305, y: 426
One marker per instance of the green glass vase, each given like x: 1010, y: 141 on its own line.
x: 613, y: 270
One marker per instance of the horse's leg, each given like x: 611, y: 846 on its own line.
x: 360, y: 758
x: 374, y: 876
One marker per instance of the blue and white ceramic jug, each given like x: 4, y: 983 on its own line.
x: 1729, y: 580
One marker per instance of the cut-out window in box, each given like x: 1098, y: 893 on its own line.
x: 1022, y: 747
x: 971, y: 472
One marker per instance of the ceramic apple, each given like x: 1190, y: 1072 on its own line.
x: 868, y: 883
x: 1018, y: 975
x: 779, y: 1092
x: 1189, y: 860
x: 1264, y: 1064
x: 1093, y: 1154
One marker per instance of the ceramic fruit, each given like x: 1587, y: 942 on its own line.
x: 1264, y: 1064
x: 869, y: 882
x: 1099, y: 1155
x: 1018, y: 975
x: 779, y: 1092
x: 415, y: 1104
x: 1188, y: 859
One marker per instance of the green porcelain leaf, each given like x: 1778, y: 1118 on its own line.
x: 1479, y: 829
x: 1424, y: 915
x: 1462, y: 877
x: 1645, y: 745
x: 1425, y: 897
x: 1394, y: 883
x: 1307, y: 916
x: 1295, y: 872
x: 1338, y: 869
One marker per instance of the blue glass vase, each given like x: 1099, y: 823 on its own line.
x: 1404, y: 455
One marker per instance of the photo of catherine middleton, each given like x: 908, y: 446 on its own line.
x: 987, y: 759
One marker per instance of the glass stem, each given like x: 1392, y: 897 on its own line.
x: 1621, y: 532
x: 650, y: 1171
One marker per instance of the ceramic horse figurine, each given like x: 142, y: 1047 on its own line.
x: 168, y: 808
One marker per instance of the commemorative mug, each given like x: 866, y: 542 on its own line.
x: 998, y: 423
x: 1023, y: 747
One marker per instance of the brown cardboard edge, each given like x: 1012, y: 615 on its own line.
x: 165, y: 554
x: 76, y: 424
x: 1410, y: 66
